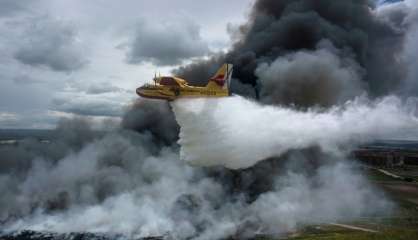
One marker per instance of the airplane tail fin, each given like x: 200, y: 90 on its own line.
x: 222, y: 78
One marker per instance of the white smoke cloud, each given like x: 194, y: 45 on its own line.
x: 237, y: 133
x: 122, y: 183
x: 410, y: 50
x: 340, y: 193
x: 403, y: 16
x: 142, y: 194
x: 168, y: 198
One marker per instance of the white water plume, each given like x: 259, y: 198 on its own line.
x: 237, y: 133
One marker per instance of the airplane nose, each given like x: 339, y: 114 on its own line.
x: 139, y: 90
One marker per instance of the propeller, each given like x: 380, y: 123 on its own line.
x: 155, y: 78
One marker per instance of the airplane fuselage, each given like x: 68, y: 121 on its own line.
x: 172, y: 92
x: 170, y: 88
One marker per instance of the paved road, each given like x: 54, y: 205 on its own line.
x: 353, y: 227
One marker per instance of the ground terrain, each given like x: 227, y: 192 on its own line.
x: 402, y: 225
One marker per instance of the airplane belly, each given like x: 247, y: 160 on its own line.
x: 179, y: 92
x: 155, y: 94
x: 203, y: 92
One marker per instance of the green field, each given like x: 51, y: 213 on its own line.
x: 392, y: 234
x: 402, y: 225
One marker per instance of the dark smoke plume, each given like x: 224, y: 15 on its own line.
x: 366, y: 44
x: 154, y: 117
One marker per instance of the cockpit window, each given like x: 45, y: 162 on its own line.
x: 168, y: 81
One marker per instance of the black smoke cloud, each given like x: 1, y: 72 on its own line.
x: 154, y: 117
x: 365, y: 43
x: 322, y: 77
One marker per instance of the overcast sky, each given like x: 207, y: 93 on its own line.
x: 74, y: 57
x: 61, y: 58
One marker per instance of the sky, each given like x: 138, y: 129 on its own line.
x: 64, y: 58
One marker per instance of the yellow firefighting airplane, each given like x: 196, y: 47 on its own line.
x: 171, y: 88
